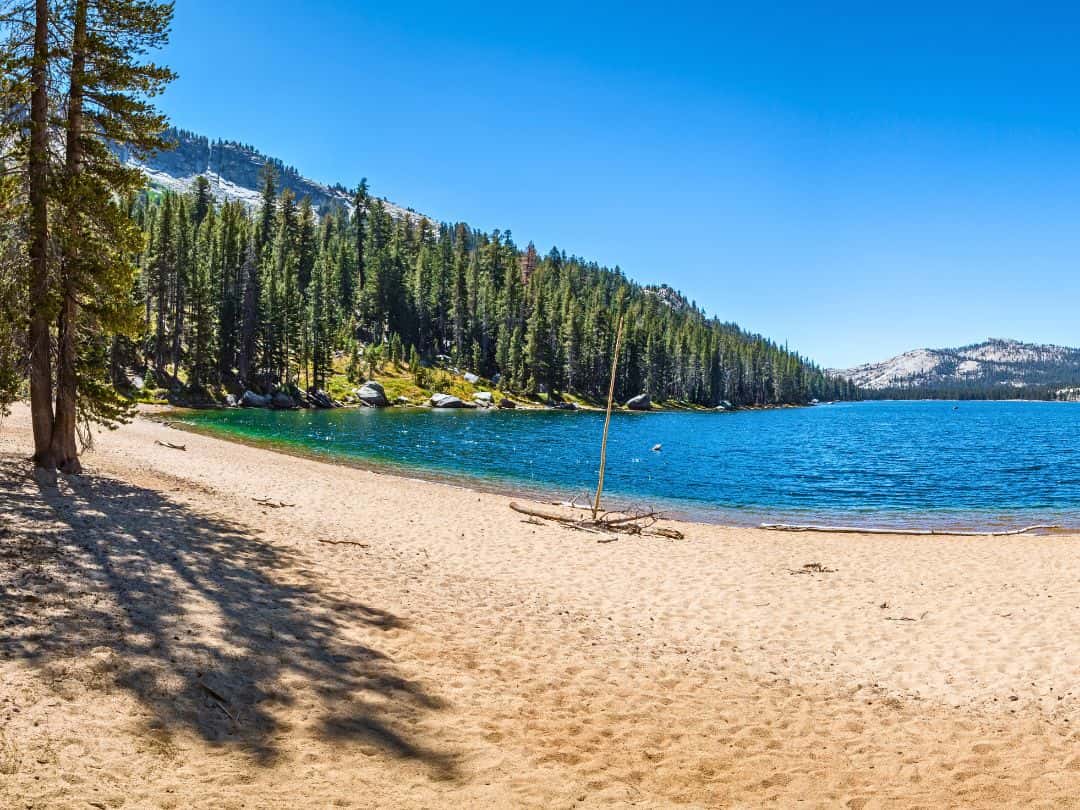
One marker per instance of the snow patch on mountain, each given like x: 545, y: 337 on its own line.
x: 234, y: 171
x: 221, y: 188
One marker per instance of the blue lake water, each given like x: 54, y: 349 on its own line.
x: 933, y: 464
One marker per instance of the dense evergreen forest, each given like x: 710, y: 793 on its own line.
x: 969, y: 391
x: 266, y: 299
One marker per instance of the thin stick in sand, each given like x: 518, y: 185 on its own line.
x: 607, y: 418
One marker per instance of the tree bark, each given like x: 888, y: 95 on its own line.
x: 64, y: 446
x: 249, y: 313
x: 41, y: 407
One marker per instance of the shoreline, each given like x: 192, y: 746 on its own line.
x: 724, y: 517
x: 365, y: 639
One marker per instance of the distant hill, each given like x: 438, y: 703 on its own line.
x: 234, y: 171
x: 995, y: 368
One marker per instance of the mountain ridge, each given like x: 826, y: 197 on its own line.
x: 1001, y: 364
x: 234, y: 171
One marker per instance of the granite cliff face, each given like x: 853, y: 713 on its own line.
x: 234, y: 171
x: 992, y: 363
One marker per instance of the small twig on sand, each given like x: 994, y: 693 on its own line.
x: 234, y: 717
x: 271, y: 503
x: 342, y: 543
x: 812, y: 568
x: 671, y: 534
x: 907, y: 618
x: 220, y: 701
x: 170, y: 445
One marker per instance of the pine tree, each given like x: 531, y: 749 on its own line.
x: 108, y: 92
x: 12, y: 284
x: 538, y: 346
x: 249, y: 311
x: 305, y: 248
x: 204, y: 199
x: 321, y: 362
x: 361, y: 202
x: 203, y: 326
x: 40, y: 293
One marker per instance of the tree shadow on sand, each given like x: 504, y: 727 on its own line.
x: 208, y: 626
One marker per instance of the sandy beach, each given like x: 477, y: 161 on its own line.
x: 377, y: 641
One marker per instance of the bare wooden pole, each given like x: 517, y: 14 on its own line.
x: 607, y: 418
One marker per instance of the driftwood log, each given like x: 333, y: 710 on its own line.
x: 171, y: 446
x: 792, y: 527
x: 610, y: 523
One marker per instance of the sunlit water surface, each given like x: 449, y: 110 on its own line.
x: 932, y: 464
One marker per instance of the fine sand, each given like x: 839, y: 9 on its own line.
x: 167, y: 641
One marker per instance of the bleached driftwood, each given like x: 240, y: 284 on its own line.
x: 793, y: 527
x: 170, y: 445
x: 642, y: 522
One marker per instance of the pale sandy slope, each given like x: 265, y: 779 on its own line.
x: 465, y: 658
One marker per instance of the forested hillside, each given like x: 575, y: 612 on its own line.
x: 264, y: 296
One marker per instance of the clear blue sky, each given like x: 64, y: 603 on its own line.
x: 854, y: 181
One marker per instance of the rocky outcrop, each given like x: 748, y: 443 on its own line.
x: 507, y: 404
x: 484, y: 399
x: 448, y: 401
x: 281, y: 401
x: 250, y: 399
x: 372, y: 394
x: 320, y: 399
x: 639, y: 403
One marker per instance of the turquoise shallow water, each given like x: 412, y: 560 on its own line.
x: 935, y: 464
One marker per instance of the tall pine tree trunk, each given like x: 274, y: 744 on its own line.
x: 64, y: 447
x: 41, y: 408
x: 159, y: 331
x: 249, y: 315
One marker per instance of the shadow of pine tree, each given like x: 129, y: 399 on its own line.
x: 208, y: 626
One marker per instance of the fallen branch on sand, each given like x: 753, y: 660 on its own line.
x: 789, y: 527
x: 907, y: 618
x: 812, y: 568
x: 635, y: 522
x: 342, y: 542
x: 220, y: 701
x: 272, y: 503
x: 170, y: 445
